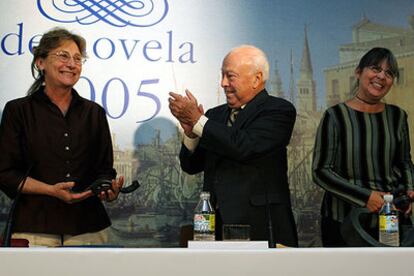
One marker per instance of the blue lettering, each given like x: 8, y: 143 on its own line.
x: 105, y: 96
x: 150, y: 95
x: 111, y: 48
x: 169, y: 47
x: 123, y: 43
x: 92, y: 88
x: 32, y: 41
x: 189, y: 55
x: 18, y: 36
x: 104, y: 48
x: 147, y: 47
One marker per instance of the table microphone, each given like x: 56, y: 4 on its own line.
x: 268, y: 213
x: 8, y: 229
x: 272, y: 243
x: 104, y: 184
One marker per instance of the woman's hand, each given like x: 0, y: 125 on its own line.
x: 409, y: 210
x: 63, y: 191
x: 375, y: 201
x: 112, y: 194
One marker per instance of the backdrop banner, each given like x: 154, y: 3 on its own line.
x: 140, y: 50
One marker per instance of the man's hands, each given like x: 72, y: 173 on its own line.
x: 186, y: 110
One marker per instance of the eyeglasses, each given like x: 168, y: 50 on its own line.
x: 378, y: 69
x: 65, y: 57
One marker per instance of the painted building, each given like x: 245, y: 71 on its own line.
x: 340, y: 79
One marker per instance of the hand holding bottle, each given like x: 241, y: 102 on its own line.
x: 375, y: 201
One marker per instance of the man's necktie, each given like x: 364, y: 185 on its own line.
x: 233, y: 117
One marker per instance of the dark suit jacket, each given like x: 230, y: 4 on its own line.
x: 247, y: 163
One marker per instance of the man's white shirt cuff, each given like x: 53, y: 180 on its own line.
x: 199, y: 126
x: 192, y: 143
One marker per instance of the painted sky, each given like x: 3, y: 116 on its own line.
x: 278, y: 26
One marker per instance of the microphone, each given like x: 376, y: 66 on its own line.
x: 272, y: 243
x: 104, y: 184
x: 268, y: 213
x: 8, y: 228
x: 401, y: 200
x: 129, y: 189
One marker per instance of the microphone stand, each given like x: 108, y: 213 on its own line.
x: 8, y: 229
x: 268, y: 214
x: 272, y: 243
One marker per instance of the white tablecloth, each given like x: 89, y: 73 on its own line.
x: 198, y: 262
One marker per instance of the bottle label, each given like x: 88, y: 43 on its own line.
x: 388, y: 223
x: 204, y: 222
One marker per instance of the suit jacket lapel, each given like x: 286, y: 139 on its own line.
x: 221, y: 114
x: 251, y: 108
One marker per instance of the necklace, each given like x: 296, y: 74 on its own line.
x: 365, y: 101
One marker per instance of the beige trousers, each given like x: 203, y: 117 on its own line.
x: 50, y: 240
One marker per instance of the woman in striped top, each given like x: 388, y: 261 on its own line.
x: 362, y: 147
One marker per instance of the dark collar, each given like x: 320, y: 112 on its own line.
x: 250, y: 107
x: 258, y: 99
x: 41, y: 95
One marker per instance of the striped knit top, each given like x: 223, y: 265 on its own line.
x: 357, y: 152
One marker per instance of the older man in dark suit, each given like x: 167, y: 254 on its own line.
x: 241, y: 147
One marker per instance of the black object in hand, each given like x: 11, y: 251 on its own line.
x: 401, y: 200
x: 129, y: 189
x: 100, y: 185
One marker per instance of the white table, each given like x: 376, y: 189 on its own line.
x: 198, y: 262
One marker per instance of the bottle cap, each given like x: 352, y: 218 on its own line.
x: 388, y: 198
x: 205, y: 195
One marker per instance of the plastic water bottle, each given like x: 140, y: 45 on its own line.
x: 204, y: 219
x: 388, y: 223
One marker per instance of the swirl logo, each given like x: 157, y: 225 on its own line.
x: 118, y: 13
